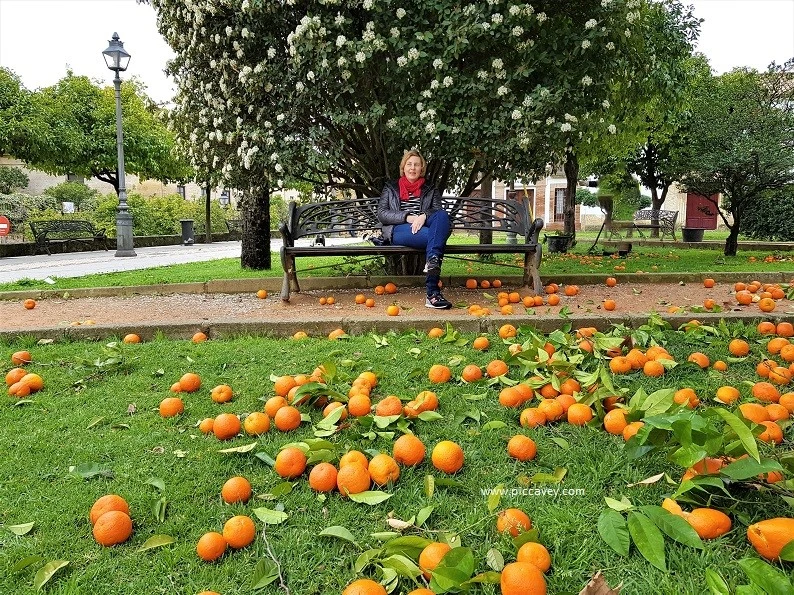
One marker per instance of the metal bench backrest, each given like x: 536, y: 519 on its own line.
x: 64, y: 228
x: 359, y: 216
x: 648, y: 214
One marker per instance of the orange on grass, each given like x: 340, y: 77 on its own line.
x: 513, y: 521
x: 777, y: 412
x: 431, y: 556
x: 106, y: 504
x: 481, y: 343
x: 273, y: 404
x: 290, y: 462
x: 20, y: 358
x: 522, y: 448
x: 408, y: 450
x: 755, y: 412
x: 780, y: 375
x: 510, y: 396
x: 447, y: 457
x: 131, y: 338
x: 536, y: 554
x: 211, y: 546
x: 653, y: 368
x: 354, y: 456
x: 335, y: 405
x: 236, y: 489
x: 190, y: 382
x: 439, y: 374
x: 359, y: 405
x: 532, y: 417
x: 199, y: 337
x: 727, y: 394
x: 615, y: 421
x: 522, y: 578
x: 32, y: 381
x: 787, y: 401
x: 300, y: 335
x: 552, y: 409
x: 769, y: 537
x: 14, y: 375
x: 720, y: 365
x: 708, y: 523
x: 776, y: 344
x: 787, y: 353
x: 579, y: 414
x: 766, y: 392
x: 496, y: 368
x: 225, y: 426
x: 435, y: 332
x: 352, y: 478
x: 364, y: 586
x: 239, y: 531
x: 656, y: 352
x: 708, y: 283
x: 764, y: 367
x: 570, y: 386
x: 620, y: 365
x: 506, y: 331
x: 205, y: 426
x: 686, y: 396
x: 631, y: 430
x: 701, y: 359
x: 471, y: 373
x: 287, y: 418
x: 171, y: 407
x: 383, y: 469
x: 283, y: 385
x: 739, y: 347
x: 322, y: 477
x: 335, y: 334
x: 766, y: 328
x: 221, y: 393
x: 393, y: 310
x: 772, y: 432
x: 112, y: 528
x: 390, y: 405
x: 256, y: 423
x: 785, y: 329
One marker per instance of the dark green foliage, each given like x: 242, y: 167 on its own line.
x: 771, y: 217
x: 625, y: 191
x: 83, y: 197
x: 11, y: 179
x: 18, y: 207
x: 586, y: 198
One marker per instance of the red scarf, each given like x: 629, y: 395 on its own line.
x: 410, y: 188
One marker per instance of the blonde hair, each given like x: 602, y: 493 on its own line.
x: 407, y: 156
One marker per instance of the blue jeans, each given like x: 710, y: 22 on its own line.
x: 432, y: 237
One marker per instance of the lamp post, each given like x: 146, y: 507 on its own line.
x: 117, y: 59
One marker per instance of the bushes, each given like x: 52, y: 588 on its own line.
x: 625, y: 191
x: 83, y: 197
x: 770, y: 218
x: 12, y: 179
x: 18, y: 207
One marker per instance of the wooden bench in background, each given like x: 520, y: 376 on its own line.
x: 662, y: 220
x: 358, y: 217
x: 63, y: 231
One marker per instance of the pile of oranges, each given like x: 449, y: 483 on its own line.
x: 19, y: 381
x: 110, y: 517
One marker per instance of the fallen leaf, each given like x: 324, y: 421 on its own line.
x: 599, y: 586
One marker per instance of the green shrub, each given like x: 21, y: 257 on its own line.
x: 626, y: 195
x: 20, y: 207
x: 12, y: 178
x: 770, y: 217
x: 278, y: 210
x: 83, y: 197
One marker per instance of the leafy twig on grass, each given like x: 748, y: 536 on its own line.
x: 281, y: 583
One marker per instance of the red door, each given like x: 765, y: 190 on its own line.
x: 700, y: 212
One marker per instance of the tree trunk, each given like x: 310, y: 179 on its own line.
x: 207, y: 218
x: 732, y: 242
x: 486, y: 191
x: 402, y: 265
x: 571, y: 177
x: 255, y: 234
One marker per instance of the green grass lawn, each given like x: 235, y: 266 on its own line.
x: 98, y: 412
x: 648, y: 260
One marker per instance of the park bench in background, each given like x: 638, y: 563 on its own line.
x: 664, y: 221
x: 358, y: 217
x: 64, y: 231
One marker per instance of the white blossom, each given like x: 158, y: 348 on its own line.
x: 427, y: 94
x: 544, y: 92
x: 585, y: 44
x: 570, y: 118
x: 340, y: 41
x: 280, y: 118
x: 517, y: 31
x: 401, y: 13
x: 368, y: 4
x: 271, y: 53
x: 245, y: 32
x: 516, y: 114
x: 502, y: 91
x: 587, y: 81
x: 610, y: 46
x: 213, y: 64
x: 245, y: 5
x: 481, y: 74
x: 550, y: 120
x: 360, y: 56
x: 627, y: 33
x: 612, y: 129
x: 413, y: 54
x: 229, y: 31
x: 402, y: 61
x: 514, y: 10
x: 448, y: 81
x: 541, y: 16
x: 486, y: 26
x: 438, y: 63
x: 430, y: 127
x: 606, y: 3
x: 342, y: 61
x: 527, y: 101
x: 565, y: 127
x: 310, y: 75
x: 496, y: 18
x: 497, y: 64
x: 391, y: 123
x: 394, y: 32
x: 278, y: 167
x: 420, y: 106
x: 299, y: 86
x: 434, y: 84
x: 339, y: 20
x: 590, y: 24
x: 324, y: 63
x: 345, y: 74
x: 368, y: 35
x: 605, y: 104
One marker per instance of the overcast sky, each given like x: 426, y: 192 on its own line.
x: 40, y: 39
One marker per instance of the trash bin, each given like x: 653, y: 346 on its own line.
x: 187, y: 232
x: 692, y: 234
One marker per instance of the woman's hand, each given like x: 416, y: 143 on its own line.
x: 416, y: 221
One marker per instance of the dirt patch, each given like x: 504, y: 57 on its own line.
x: 631, y: 298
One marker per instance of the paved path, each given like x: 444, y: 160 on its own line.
x: 78, y: 264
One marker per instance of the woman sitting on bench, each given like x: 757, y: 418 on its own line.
x: 412, y: 214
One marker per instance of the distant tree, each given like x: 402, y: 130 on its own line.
x: 740, y: 141
x: 11, y: 179
x: 81, y: 196
x: 80, y: 123
x: 586, y: 198
x: 771, y: 217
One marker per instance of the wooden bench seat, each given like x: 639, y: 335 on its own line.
x: 358, y: 218
x: 64, y: 231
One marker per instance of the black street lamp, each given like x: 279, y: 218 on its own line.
x: 117, y: 59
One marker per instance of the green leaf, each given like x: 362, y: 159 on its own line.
x: 365, y: 558
x: 20, y: 530
x: 526, y: 537
x: 270, y: 516
x: 240, y: 449
x: 673, y: 526
x: 91, y: 470
x: 384, y: 535
x: 423, y: 514
x: 339, y: 532
x: 407, y: 545
x: 158, y: 509
x: 370, y: 497
x: 430, y: 416
x: 494, y: 425
x: 156, y: 541
x: 561, y: 442
x: 612, y: 529
x: 766, y: 576
x: 266, y: 572
x: 403, y: 565
x: 265, y: 458
x: 95, y: 422
x: 747, y: 468
x: 430, y: 486
x: 620, y: 505
x: 25, y: 562
x: 495, y: 497
x: 716, y: 583
x: 156, y: 482
x: 647, y: 538
x: 454, y: 569
x: 46, y: 572
x: 489, y: 577
x: 494, y: 559
x: 787, y: 553
x: 742, y: 431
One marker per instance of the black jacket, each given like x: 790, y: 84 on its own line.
x: 389, y: 213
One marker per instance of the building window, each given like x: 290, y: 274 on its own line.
x: 75, y: 178
x: 559, y: 204
x: 180, y: 190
